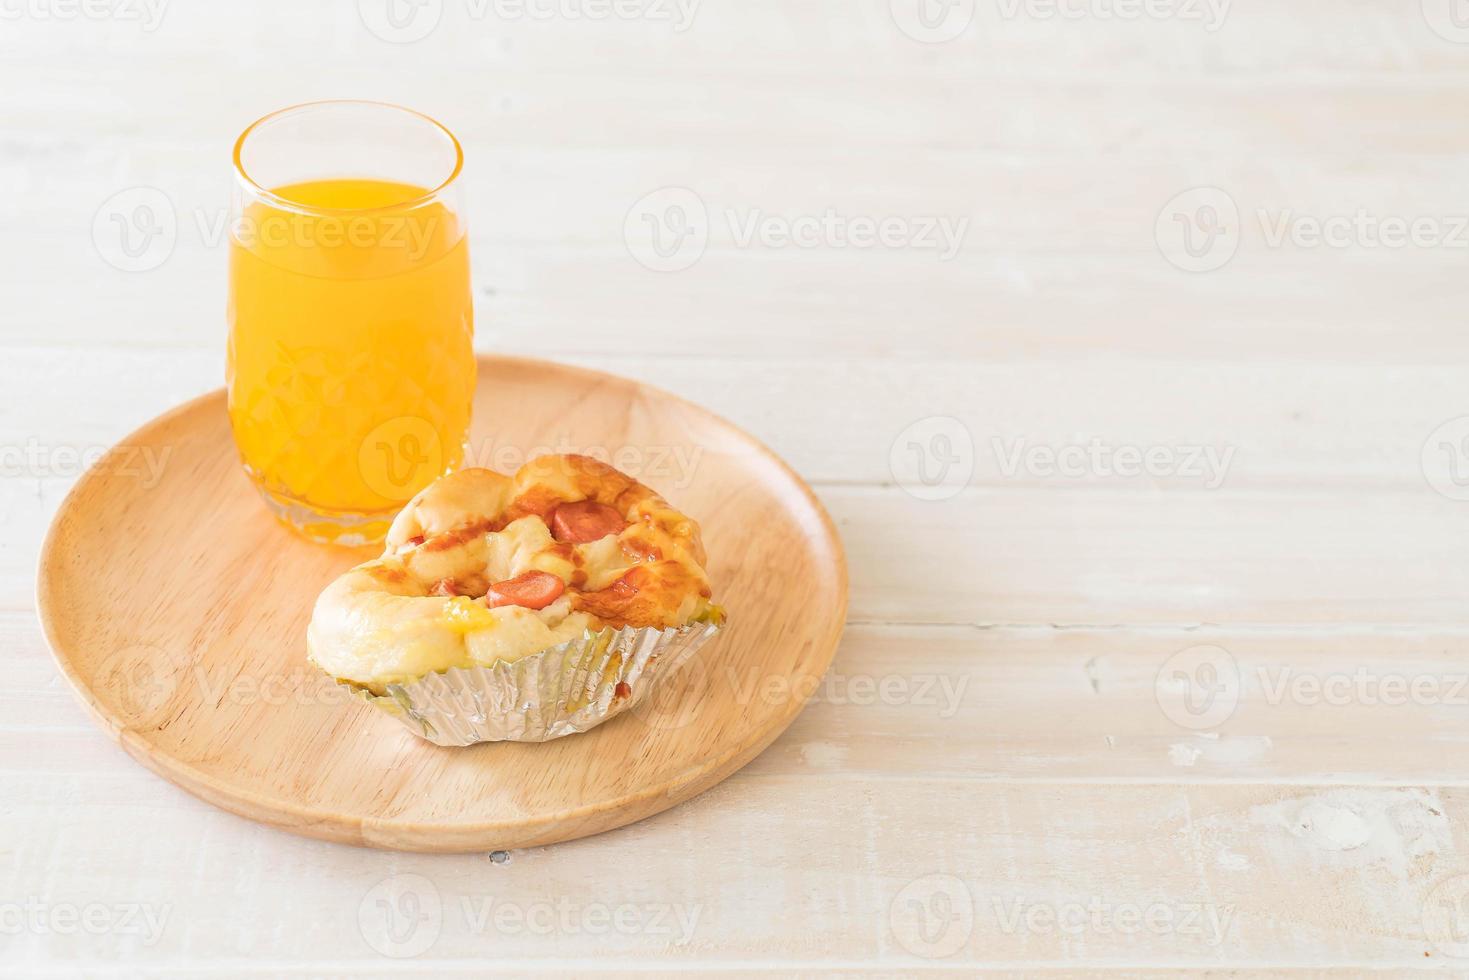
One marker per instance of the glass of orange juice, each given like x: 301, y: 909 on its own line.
x: 351, y: 367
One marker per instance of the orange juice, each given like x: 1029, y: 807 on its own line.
x: 351, y: 369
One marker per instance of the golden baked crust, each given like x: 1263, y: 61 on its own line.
x: 450, y: 589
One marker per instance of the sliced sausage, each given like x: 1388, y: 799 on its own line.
x: 585, y: 520
x: 533, y: 590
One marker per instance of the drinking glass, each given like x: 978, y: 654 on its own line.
x: 351, y: 367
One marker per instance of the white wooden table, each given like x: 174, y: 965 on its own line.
x: 1166, y: 666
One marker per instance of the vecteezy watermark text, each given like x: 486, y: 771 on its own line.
x: 831, y: 229
x: 1363, y: 229
x: 1098, y: 459
x: 85, y: 918
x: 138, y: 228
x: 566, y: 917
x: 934, y: 459
x: 1200, y: 687
x: 34, y: 458
x: 404, y: 914
x: 667, y: 466
x: 1201, y: 230
x: 672, y: 702
x: 939, y: 691
x: 1210, y: 14
x: 1363, y: 686
x: 669, y: 229
x: 148, y: 14
x: 938, y: 21
x: 407, y: 21
x: 936, y: 915
x: 1207, y: 921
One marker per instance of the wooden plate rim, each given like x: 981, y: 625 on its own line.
x: 349, y: 829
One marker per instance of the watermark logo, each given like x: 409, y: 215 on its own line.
x: 135, y: 230
x: 667, y: 230
x: 401, y: 456
x: 671, y: 700
x: 933, y: 459
x: 401, y: 916
x: 1198, y: 230
x: 1446, y: 916
x: 400, y: 21
x: 1198, y: 688
x: 1445, y: 458
x: 933, y: 916
x: 932, y: 21
x: 141, y: 679
x: 1449, y: 19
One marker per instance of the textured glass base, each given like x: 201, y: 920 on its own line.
x: 349, y: 529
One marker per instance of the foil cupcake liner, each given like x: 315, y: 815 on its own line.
x: 558, y: 691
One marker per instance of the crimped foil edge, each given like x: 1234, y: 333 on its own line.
x: 568, y: 688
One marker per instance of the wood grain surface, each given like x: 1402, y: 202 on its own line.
x: 178, y: 610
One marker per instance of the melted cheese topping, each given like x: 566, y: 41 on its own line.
x: 382, y: 622
x: 373, y: 639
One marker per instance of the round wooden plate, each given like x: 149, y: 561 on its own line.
x: 177, y: 608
